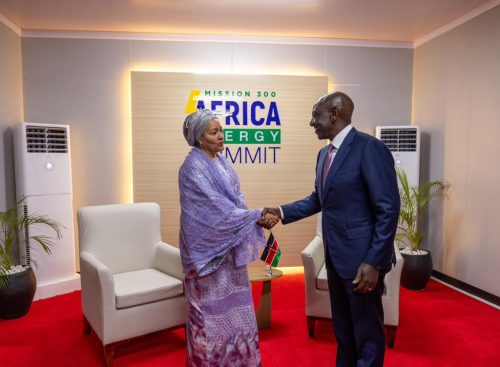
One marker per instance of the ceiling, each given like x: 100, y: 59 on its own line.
x: 387, y: 20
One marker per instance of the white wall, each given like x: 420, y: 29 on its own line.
x: 11, y: 109
x: 457, y: 103
x: 86, y: 83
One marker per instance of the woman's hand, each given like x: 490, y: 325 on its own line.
x: 268, y: 220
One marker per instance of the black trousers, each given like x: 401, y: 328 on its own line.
x: 358, y: 321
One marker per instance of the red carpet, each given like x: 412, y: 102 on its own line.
x: 438, y: 327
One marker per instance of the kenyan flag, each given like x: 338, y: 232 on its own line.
x: 272, y: 253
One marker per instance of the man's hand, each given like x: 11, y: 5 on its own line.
x: 366, y: 279
x: 274, y: 211
x: 269, y: 217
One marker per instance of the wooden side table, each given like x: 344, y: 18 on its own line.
x: 258, y: 274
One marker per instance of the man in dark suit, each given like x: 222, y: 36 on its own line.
x: 356, y: 191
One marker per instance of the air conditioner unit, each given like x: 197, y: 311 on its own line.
x: 404, y: 144
x: 43, y: 177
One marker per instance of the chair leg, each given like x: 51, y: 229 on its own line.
x: 86, y: 326
x: 310, y: 326
x: 109, y: 354
x: 391, y: 335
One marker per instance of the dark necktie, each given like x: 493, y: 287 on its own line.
x: 328, y: 162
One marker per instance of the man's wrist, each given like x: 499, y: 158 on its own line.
x: 376, y: 267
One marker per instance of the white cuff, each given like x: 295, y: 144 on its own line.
x: 281, y: 212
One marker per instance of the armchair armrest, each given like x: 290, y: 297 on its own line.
x: 390, y: 299
x: 393, y: 278
x: 98, y: 291
x: 97, y: 278
x: 313, y: 257
x: 168, y: 259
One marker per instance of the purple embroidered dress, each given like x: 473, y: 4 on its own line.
x: 218, y: 237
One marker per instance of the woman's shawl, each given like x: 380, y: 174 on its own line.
x: 214, y: 216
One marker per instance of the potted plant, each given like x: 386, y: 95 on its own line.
x: 417, y: 266
x: 18, y: 282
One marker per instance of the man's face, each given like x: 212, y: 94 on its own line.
x: 321, y: 121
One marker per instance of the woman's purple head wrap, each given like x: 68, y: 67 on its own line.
x: 195, y: 123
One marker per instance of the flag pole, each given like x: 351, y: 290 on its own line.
x: 269, y: 268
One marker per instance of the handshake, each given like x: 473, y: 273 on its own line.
x: 269, y: 217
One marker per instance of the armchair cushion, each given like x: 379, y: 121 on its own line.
x: 145, y: 286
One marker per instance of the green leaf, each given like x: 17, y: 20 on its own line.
x: 14, y: 221
x: 414, y: 202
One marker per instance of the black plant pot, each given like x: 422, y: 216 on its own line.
x: 417, y: 270
x: 16, y: 298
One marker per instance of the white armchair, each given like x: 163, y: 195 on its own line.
x: 132, y: 283
x: 316, y: 287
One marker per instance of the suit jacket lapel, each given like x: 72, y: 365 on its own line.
x: 319, y: 169
x: 338, y: 160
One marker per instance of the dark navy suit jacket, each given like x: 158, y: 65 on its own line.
x: 359, y: 204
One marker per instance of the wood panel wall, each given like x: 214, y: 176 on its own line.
x: 159, y: 101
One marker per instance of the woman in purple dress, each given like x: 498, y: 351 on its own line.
x: 219, y: 236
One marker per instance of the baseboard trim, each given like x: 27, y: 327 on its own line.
x: 468, y: 289
x: 57, y: 288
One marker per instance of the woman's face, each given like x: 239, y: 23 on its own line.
x: 212, y: 140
